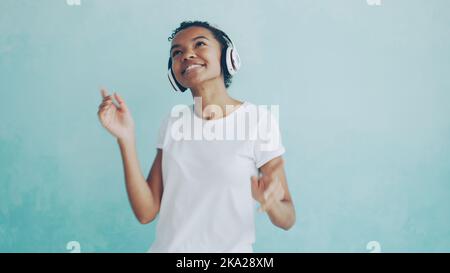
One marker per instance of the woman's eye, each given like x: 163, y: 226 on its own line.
x: 175, y: 53
x: 200, y: 43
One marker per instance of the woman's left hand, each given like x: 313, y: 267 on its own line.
x: 267, y: 190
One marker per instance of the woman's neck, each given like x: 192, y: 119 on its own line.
x: 214, y: 100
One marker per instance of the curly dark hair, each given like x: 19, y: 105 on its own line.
x: 218, y: 34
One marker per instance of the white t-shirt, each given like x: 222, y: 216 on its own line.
x: 207, y: 205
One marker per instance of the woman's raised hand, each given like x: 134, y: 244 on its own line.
x: 116, y: 118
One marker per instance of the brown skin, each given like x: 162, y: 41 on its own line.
x: 194, y: 45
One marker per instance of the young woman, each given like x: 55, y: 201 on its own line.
x: 202, y: 190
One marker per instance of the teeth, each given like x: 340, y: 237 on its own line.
x: 191, y: 67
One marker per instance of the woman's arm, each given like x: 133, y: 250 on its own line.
x: 271, y: 190
x: 144, y: 195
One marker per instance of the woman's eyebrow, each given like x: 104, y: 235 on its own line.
x: 200, y: 37
x: 193, y: 39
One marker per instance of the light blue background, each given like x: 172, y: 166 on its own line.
x: 364, y: 95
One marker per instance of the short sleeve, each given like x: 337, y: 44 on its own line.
x: 268, y: 144
x: 160, y: 140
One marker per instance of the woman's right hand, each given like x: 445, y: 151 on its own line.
x: 115, y: 118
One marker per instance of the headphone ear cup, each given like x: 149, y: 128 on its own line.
x: 229, y: 61
x: 223, y: 60
x: 233, y: 61
x: 236, y: 59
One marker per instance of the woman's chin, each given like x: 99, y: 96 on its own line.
x: 192, y: 83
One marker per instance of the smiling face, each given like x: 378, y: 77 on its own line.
x: 195, y: 54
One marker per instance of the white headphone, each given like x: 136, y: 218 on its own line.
x: 229, y: 59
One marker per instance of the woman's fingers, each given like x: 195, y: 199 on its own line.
x: 105, y: 103
x: 272, y: 194
x: 107, y: 115
x: 268, y: 204
x: 104, y: 92
x: 102, y: 111
x: 276, y: 196
x: 256, y: 188
x: 118, y: 98
x: 255, y: 183
x: 106, y: 97
x: 272, y: 187
x: 121, y: 102
x: 105, y: 111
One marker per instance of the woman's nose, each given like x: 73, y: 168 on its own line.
x: 188, y: 55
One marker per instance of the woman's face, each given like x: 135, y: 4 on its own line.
x: 195, y: 54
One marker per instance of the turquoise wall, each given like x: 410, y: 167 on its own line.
x: 364, y: 95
